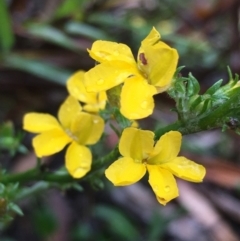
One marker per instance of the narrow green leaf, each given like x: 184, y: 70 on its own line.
x: 38, y: 68
x: 69, y: 7
x: 86, y: 30
x: 55, y: 36
x: 214, y: 87
x: 6, y: 33
x: 2, y: 189
x: 193, y: 86
x: 194, y: 101
x: 15, y: 208
x: 117, y: 222
x: 180, y: 89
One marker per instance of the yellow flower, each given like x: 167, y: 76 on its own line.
x: 153, y: 72
x: 93, y: 101
x: 139, y: 154
x: 75, y: 127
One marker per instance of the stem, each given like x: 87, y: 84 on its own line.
x: 172, y: 127
x: 36, y: 174
x: 189, y: 127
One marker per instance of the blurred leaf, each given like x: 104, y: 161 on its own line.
x: 108, y: 20
x: 45, y: 222
x: 38, y: 68
x: 9, y: 140
x: 6, y: 33
x: 86, y: 30
x: 15, y: 208
x: 2, y: 189
x: 6, y: 129
x: 55, y: 36
x: 68, y: 7
x: 117, y: 222
x: 82, y: 231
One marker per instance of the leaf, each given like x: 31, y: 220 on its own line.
x: 68, y: 7
x: 194, y: 101
x: 55, y: 36
x: 117, y: 222
x: 15, y: 208
x: 214, y: 87
x: 38, y: 68
x: 86, y: 30
x: 6, y: 33
x: 193, y: 86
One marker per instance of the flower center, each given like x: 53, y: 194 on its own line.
x: 70, y: 134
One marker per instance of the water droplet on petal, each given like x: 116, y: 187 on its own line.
x: 167, y: 189
x: 95, y: 121
x: 100, y: 82
x: 144, y: 104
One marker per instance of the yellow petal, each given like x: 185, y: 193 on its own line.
x: 103, y: 51
x: 78, y: 160
x: 136, y: 143
x: 107, y: 75
x: 152, y: 38
x: 36, y: 122
x: 87, y: 128
x: 125, y: 171
x: 99, y: 105
x: 137, y: 98
x: 50, y: 142
x: 163, y: 184
x: 185, y: 169
x: 68, y: 111
x: 77, y: 89
x: 159, y: 63
x: 167, y: 148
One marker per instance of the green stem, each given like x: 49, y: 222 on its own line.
x: 189, y: 127
x: 36, y: 174
x: 20, y: 177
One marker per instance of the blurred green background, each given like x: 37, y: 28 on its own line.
x: 43, y: 42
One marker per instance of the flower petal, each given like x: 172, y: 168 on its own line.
x: 136, y: 143
x: 68, y: 111
x: 37, y: 122
x: 87, y: 128
x: 160, y: 63
x: 108, y: 74
x: 185, y: 169
x: 152, y: 38
x: 78, y: 160
x: 50, y: 142
x: 167, y: 148
x: 137, y: 98
x: 163, y: 183
x: 77, y: 89
x: 103, y: 51
x: 125, y: 171
x: 99, y: 105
